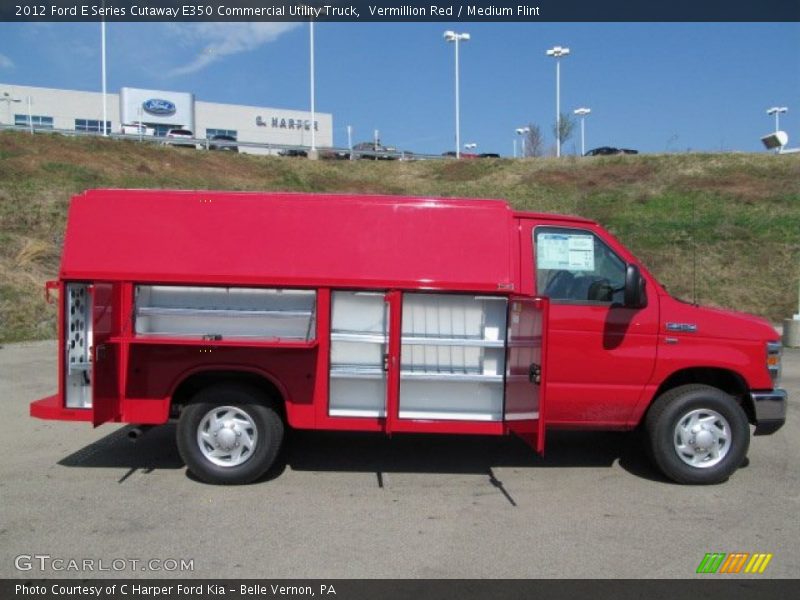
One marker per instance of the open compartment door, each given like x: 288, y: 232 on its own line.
x: 525, y: 370
x: 105, y: 359
x: 360, y: 359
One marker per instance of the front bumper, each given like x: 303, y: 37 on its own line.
x: 770, y: 410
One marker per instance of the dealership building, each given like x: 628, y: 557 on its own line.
x: 158, y: 111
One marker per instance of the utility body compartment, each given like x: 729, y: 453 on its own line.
x: 366, y: 312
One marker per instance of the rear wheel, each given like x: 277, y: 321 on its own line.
x: 697, y: 434
x: 230, y: 434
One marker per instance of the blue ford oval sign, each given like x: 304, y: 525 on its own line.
x: 157, y: 106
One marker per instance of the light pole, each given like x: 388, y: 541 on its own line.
x: 313, y: 152
x: 515, y: 147
x: 777, y: 111
x: 452, y: 36
x: 6, y: 97
x: 350, y: 140
x: 30, y: 113
x: 582, y: 113
x: 103, y: 68
x: 557, y: 52
x: 522, y: 132
x: 472, y: 146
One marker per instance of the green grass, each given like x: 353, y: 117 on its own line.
x: 729, y: 222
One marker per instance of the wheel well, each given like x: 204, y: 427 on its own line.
x: 194, y: 383
x: 728, y: 381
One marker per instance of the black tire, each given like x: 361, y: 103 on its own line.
x: 676, y: 404
x: 262, y: 412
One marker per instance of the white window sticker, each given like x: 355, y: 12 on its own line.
x: 561, y: 251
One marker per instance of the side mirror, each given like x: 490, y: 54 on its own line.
x: 634, y: 296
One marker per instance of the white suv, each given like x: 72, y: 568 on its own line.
x: 180, y: 134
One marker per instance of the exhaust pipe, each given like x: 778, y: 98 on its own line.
x: 137, y: 431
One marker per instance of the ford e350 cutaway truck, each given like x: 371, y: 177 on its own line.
x: 241, y: 314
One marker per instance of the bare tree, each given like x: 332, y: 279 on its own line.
x: 534, y: 141
x: 565, y: 128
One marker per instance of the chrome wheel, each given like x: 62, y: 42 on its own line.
x: 227, y: 436
x: 702, y: 438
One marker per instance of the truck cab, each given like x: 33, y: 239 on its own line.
x: 692, y: 377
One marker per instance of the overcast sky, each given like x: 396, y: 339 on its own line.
x: 653, y: 87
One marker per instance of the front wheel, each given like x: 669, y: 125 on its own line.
x: 698, y: 434
x: 229, y: 434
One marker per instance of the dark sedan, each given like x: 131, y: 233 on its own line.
x: 223, y: 142
x: 609, y: 151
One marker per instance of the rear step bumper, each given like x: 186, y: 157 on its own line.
x: 52, y: 409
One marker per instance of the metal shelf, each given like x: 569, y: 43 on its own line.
x: 449, y: 415
x: 353, y: 336
x: 450, y: 376
x: 369, y: 372
x: 356, y: 412
x: 79, y: 366
x: 357, y: 372
x: 186, y: 339
x: 377, y: 338
x: 221, y: 312
x: 431, y: 340
x: 213, y: 314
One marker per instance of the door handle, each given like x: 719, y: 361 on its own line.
x: 535, y: 373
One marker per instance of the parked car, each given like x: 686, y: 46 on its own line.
x: 467, y: 155
x: 136, y: 129
x: 367, y: 146
x: 608, y: 150
x: 225, y: 145
x: 334, y: 155
x: 323, y: 154
x: 180, y: 134
x: 293, y: 152
x: 375, y: 151
x: 489, y: 155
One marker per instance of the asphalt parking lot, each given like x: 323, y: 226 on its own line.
x: 353, y: 505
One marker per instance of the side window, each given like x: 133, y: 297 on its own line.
x: 574, y: 265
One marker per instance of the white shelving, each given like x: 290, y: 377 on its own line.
x: 78, y: 341
x: 359, y: 338
x: 452, y: 357
x: 225, y: 312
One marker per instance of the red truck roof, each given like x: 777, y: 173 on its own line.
x: 288, y: 239
x: 553, y: 217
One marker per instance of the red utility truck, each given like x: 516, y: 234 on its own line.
x: 240, y: 314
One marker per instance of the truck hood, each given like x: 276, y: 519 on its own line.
x: 715, y: 322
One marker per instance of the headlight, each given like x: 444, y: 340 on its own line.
x: 774, y: 351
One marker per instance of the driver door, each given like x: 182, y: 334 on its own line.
x: 600, y: 353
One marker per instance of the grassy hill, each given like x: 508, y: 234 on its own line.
x: 729, y: 222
